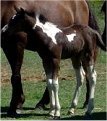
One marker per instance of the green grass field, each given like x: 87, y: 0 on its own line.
x: 34, y: 84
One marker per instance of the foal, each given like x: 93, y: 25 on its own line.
x: 53, y: 44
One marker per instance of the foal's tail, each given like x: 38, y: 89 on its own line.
x: 94, y: 25
x: 99, y: 41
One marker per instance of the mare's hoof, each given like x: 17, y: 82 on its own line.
x: 87, y: 116
x: 56, y: 117
x: 12, y: 114
x: 40, y: 107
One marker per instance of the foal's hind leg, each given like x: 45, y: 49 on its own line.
x: 87, y: 86
x: 92, y: 83
x: 80, y: 78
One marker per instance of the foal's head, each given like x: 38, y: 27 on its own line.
x: 37, y: 24
x: 24, y: 21
x: 21, y: 21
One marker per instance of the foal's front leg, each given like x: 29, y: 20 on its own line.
x: 56, y: 87
x: 51, y: 68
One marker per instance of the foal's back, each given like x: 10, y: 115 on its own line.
x: 82, y: 40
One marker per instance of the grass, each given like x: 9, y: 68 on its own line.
x: 33, y: 92
x: 32, y: 71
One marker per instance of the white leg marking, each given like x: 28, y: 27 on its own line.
x: 80, y: 74
x: 92, y: 76
x: 57, y: 104
x: 52, y: 98
x: 4, y: 28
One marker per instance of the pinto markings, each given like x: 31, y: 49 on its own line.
x: 71, y: 36
x: 49, y: 28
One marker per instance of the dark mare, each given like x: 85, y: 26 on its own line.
x: 104, y: 9
x: 78, y: 42
x: 61, y: 13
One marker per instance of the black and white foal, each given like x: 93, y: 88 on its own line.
x: 77, y: 42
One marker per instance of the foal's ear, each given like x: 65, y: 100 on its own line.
x: 22, y: 10
x: 16, y: 9
x: 19, y: 9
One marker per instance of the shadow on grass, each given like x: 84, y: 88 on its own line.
x: 23, y: 115
x: 95, y: 116
x: 4, y: 109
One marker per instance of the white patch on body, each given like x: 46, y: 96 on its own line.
x: 70, y: 37
x: 5, y: 28
x: 49, y: 28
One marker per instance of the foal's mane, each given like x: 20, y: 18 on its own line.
x: 22, y: 11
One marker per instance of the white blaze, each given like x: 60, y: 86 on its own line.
x: 49, y: 28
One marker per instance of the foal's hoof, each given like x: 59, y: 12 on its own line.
x: 18, y: 111
x: 51, y: 117
x: 71, y: 111
x: 87, y: 116
x: 56, y: 117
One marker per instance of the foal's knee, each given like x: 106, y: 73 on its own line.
x: 55, y: 85
x: 49, y: 83
x: 92, y: 75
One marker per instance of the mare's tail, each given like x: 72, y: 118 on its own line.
x: 94, y: 25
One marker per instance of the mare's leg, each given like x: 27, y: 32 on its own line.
x: 80, y: 79
x: 51, y: 68
x: 14, y: 52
